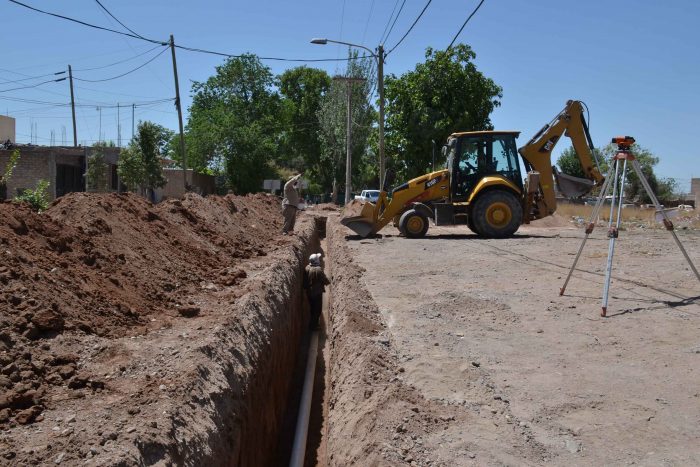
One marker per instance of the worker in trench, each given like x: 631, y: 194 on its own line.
x: 290, y: 204
x: 315, y: 282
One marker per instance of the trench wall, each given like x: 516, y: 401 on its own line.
x: 239, y: 388
x: 363, y: 393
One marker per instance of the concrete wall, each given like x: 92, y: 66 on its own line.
x: 7, y: 129
x: 39, y: 163
x: 175, y: 188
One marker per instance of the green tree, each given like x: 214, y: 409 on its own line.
x: 333, y: 132
x: 634, y: 190
x: 302, y: 89
x: 233, y: 123
x: 569, y: 163
x: 140, y: 162
x: 442, y: 95
x: 97, y: 169
x: 7, y: 173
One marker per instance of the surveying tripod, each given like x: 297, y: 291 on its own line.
x: 622, y: 156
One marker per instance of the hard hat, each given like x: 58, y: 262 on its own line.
x: 315, y: 259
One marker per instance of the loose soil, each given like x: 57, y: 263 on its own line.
x: 467, y: 355
x: 112, y: 311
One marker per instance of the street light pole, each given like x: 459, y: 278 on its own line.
x: 380, y: 86
x: 379, y: 56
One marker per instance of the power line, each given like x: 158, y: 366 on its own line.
x: 411, y: 28
x: 465, y: 23
x: 116, y: 63
x: 33, y: 85
x: 123, y: 74
x: 394, y: 23
x: 115, y: 19
x: 381, y: 38
x: 87, y: 24
x: 369, y: 16
x: 28, y: 78
x: 191, y: 49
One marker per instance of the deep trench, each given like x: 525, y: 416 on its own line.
x: 314, y: 452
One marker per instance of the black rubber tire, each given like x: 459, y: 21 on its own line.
x: 470, y: 224
x: 496, y: 214
x: 413, y: 224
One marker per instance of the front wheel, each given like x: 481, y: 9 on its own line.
x: 497, y: 214
x: 413, y: 224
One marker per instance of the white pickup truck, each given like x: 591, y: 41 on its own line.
x: 368, y: 195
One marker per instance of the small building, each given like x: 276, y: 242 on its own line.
x: 62, y: 166
x: 7, y: 129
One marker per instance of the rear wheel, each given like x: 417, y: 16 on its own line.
x: 496, y: 214
x: 413, y: 224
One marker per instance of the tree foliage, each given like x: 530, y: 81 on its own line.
x: 38, y: 198
x: 443, y: 95
x: 302, y: 90
x: 96, y: 173
x: 140, y: 162
x: 333, y: 122
x: 233, y: 123
x: 664, y: 189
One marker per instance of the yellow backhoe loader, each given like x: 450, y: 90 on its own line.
x: 482, y: 185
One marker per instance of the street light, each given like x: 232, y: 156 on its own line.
x: 379, y: 56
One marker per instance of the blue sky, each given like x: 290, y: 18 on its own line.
x: 635, y: 63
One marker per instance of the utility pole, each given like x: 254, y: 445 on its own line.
x: 348, y: 137
x: 99, y: 132
x: 133, y: 108
x: 72, y: 106
x: 119, y: 129
x: 178, y: 104
x: 380, y: 86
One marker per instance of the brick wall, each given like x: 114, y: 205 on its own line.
x: 28, y: 172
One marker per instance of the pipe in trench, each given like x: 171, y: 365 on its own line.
x: 302, y: 428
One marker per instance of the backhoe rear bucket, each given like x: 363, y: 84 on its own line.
x: 570, y: 186
x: 358, y: 216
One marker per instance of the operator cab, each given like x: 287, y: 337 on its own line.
x: 471, y: 156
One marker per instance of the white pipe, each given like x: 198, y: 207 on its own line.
x: 300, y: 434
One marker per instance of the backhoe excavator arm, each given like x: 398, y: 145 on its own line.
x: 538, y: 154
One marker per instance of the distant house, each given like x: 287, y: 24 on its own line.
x: 62, y: 166
x: 695, y: 190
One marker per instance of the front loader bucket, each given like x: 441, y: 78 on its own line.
x: 358, y: 216
x: 570, y: 186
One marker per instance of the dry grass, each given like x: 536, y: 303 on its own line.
x: 630, y: 215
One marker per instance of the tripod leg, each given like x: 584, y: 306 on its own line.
x: 591, y: 224
x: 613, y: 232
x: 667, y: 222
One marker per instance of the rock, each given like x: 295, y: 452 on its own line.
x: 476, y: 364
x: 70, y: 418
x: 66, y: 371
x: 572, y: 446
x: 27, y: 416
x: 59, y: 458
x: 130, y: 429
x: 5, y: 415
x: 189, y: 311
x: 48, y: 320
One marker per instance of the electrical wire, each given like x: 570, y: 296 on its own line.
x: 34, y: 85
x: 115, y: 19
x: 394, y: 23
x: 191, y: 49
x: 28, y: 78
x: 411, y: 28
x: 87, y: 24
x: 117, y: 63
x: 381, y: 38
x: 369, y: 16
x: 465, y: 23
x: 123, y: 74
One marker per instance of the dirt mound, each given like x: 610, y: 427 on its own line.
x: 555, y: 220
x: 108, y: 265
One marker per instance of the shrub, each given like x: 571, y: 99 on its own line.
x: 37, y: 198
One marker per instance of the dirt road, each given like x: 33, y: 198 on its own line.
x: 533, y: 377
